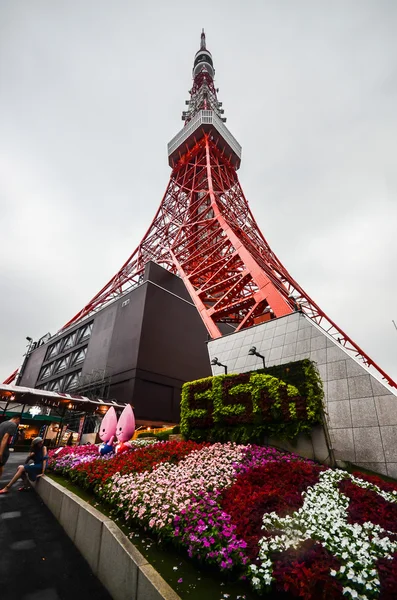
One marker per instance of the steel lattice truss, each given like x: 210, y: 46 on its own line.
x: 205, y: 232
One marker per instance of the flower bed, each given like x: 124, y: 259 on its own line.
x: 63, y: 460
x: 93, y: 475
x: 285, y: 523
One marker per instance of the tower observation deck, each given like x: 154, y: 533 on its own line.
x: 204, y: 114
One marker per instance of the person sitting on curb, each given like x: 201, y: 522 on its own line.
x: 38, y: 453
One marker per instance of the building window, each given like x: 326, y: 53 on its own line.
x: 78, y: 356
x: 70, y: 341
x: 46, y: 371
x: 53, y: 350
x: 66, y: 344
x: 72, y: 381
x: 61, y: 364
x: 56, y: 385
x: 84, y: 333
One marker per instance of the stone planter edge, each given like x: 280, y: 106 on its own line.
x: 118, y: 564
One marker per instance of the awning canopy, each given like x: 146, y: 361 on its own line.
x: 32, y: 396
x: 28, y: 417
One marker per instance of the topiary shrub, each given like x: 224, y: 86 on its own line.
x: 163, y: 436
x: 247, y: 406
x: 146, y: 434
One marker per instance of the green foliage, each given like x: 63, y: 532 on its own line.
x: 303, y: 374
x: 163, y: 436
x: 281, y: 401
x: 176, y: 430
x: 146, y: 434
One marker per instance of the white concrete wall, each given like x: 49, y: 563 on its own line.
x: 361, y: 410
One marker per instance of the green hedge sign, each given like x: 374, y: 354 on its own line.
x: 247, y: 406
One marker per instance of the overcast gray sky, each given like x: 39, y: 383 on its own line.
x: 91, y: 91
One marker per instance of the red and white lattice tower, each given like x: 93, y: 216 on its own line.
x: 205, y: 232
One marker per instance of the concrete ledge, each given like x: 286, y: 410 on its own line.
x: 121, y: 568
x: 89, y: 533
x: 151, y: 586
x: 54, y: 495
x: 68, y: 515
x: 118, y: 554
x: 45, y: 488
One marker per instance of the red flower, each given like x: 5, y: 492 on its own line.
x: 366, y: 505
x: 388, y: 577
x: 305, y: 572
x: 274, y: 487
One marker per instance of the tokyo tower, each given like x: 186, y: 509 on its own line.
x: 205, y: 233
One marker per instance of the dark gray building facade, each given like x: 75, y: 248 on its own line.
x: 139, y: 349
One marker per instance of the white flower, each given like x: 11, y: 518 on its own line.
x: 352, y: 593
x: 323, y: 517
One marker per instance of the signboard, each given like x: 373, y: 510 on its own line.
x: 81, y: 427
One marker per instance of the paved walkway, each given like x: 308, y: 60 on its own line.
x: 37, y: 559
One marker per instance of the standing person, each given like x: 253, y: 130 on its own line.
x: 38, y: 453
x: 7, y: 431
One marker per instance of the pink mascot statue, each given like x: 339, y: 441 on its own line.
x: 125, y: 429
x: 107, y: 432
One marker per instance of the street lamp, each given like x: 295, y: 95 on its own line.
x: 215, y: 361
x: 253, y: 352
x: 297, y: 307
